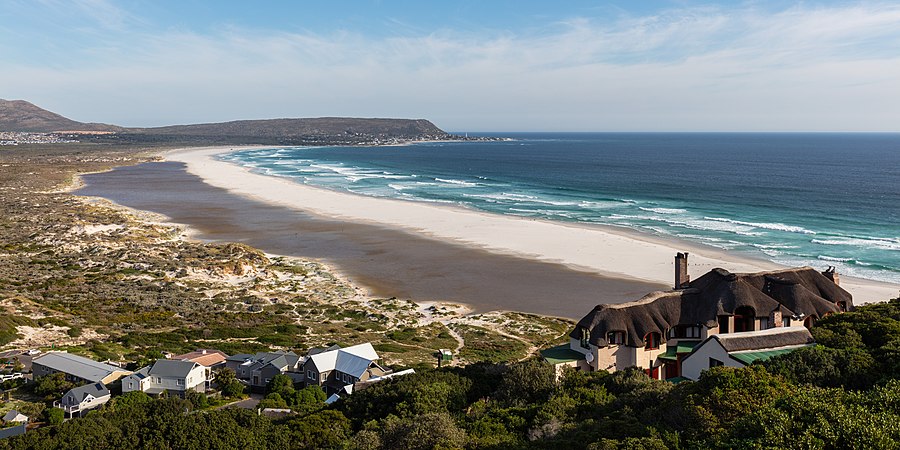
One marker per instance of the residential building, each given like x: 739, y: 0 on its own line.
x: 657, y: 332
x: 13, y: 416
x: 78, y: 369
x: 211, y: 359
x: 742, y: 348
x: 82, y: 399
x: 166, y: 375
x: 338, y: 368
x: 259, y: 369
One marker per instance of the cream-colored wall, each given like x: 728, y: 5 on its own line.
x: 698, y: 361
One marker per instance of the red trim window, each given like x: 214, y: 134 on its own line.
x: 651, y: 341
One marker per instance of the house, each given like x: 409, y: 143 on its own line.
x: 742, y: 348
x: 14, y: 416
x: 658, y: 331
x: 259, y: 369
x: 82, y: 399
x: 212, y: 360
x: 337, y: 368
x: 78, y: 369
x: 166, y: 375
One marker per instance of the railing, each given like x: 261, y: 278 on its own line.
x: 67, y: 408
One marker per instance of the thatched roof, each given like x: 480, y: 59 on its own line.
x: 794, y: 292
x: 764, y: 339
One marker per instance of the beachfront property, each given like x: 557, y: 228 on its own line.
x: 78, y: 369
x: 166, y: 375
x: 660, y: 331
x: 13, y: 416
x: 743, y: 348
x: 82, y: 399
x: 259, y: 369
x: 211, y: 359
x: 339, y: 369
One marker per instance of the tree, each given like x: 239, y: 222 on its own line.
x: 324, y: 429
x: 54, y: 416
x: 527, y: 382
x: 130, y: 400
x: 53, y: 385
x: 282, y: 385
x: 228, y: 383
x: 434, y: 430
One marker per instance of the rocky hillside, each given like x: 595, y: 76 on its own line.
x: 19, y: 115
x: 322, y: 126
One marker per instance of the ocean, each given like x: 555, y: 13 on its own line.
x: 819, y: 199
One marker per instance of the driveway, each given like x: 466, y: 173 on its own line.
x: 249, y: 403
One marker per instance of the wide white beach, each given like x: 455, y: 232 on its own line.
x: 595, y: 249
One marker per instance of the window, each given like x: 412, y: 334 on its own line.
x: 786, y: 321
x: 744, y: 317
x: 723, y: 325
x: 684, y: 332
x: 180, y: 382
x: 763, y: 323
x: 651, y: 341
x: 615, y: 338
x: 310, y: 375
x: 585, y: 338
x: 713, y: 362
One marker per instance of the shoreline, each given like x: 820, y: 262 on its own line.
x: 612, y: 252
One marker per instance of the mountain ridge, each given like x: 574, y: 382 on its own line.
x: 23, y: 116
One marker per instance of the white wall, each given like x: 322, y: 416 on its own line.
x: 698, y: 361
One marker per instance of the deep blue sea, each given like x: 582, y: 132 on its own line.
x: 793, y: 198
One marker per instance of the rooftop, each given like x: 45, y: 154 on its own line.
x: 561, y: 354
x: 79, y: 366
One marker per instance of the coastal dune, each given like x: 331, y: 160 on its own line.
x: 596, y: 249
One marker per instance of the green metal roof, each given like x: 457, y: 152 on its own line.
x: 676, y: 380
x: 749, y: 357
x: 683, y: 347
x: 561, y: 354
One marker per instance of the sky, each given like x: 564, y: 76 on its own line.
x: 500, y: 65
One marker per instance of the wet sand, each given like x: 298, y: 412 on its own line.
x: 387, y: 261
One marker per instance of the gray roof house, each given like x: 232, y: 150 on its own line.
x: 173, y: 377
x: 741, y: 349
x: 82, y: 399
x: 660, y: 330
x: 14, y: 416
x: 78, y: 369
x: 259, y: 369
x: 341, y: 367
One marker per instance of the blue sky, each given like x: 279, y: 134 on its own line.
x: 466, y: 65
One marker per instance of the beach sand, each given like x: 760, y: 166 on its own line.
x: 451, y: 253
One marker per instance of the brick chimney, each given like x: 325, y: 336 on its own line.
x: 832, y: 275
x: 681, y: 270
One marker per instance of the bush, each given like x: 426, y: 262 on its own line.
x: 54, y: 416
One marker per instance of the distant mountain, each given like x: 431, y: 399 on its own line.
x: 314, y: 127
x: 19, y: 115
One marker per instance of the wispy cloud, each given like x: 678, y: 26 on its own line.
x: 806, y: 67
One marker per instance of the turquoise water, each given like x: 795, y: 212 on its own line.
x: 796, y: 199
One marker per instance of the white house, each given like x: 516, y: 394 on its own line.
x: 173, y: 377
x: 14, y: 416
x: 82, y: 399
x: 337, y: 368
x: 741, y: 349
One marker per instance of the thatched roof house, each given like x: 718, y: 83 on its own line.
x: 659, y: 330
x: 792, y: 293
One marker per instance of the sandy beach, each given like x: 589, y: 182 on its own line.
x: 595, y: 249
